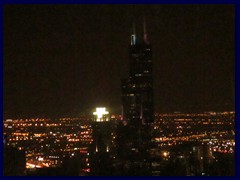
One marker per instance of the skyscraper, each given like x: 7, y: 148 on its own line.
x: 137, y: 89
x: 134, y: 136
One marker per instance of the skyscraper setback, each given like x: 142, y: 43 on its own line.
x: 137, y: 89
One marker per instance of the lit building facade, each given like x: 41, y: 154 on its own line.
x: 103, y: 138
x: 102, y: 130
x: 101, y: 115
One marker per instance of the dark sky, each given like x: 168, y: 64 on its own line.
x: 67, y: 59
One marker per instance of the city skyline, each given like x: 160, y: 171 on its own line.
x: 68, y: 59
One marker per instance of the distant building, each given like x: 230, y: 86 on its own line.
x: 101, y: 115
x: 102, y: 130
x: 134, y: 136
x: 137, y: 89
x: 102, y: 147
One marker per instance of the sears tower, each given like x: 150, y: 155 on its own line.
x: 134, y: 137
x: 137, y: 89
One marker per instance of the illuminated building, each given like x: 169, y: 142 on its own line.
x: 103, y: 138
x: 101, y: 114
x: 134, y: 137
x: 137, y: 89
x: 102, y: 130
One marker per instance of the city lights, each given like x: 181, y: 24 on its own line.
x: 165, y: 154
x: 170, y: 109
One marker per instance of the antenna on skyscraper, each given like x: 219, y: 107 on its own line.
x: 145, y: 36
x: 133, y: 35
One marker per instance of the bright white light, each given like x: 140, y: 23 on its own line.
x: 165, y: 154
x: 100, y: 112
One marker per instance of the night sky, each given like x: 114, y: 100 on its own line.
x: 64, y: 60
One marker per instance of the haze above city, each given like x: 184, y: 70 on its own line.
x: 69, y: 59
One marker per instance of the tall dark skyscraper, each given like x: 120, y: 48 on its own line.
x: 137, y: 89
x: 134, y: 137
